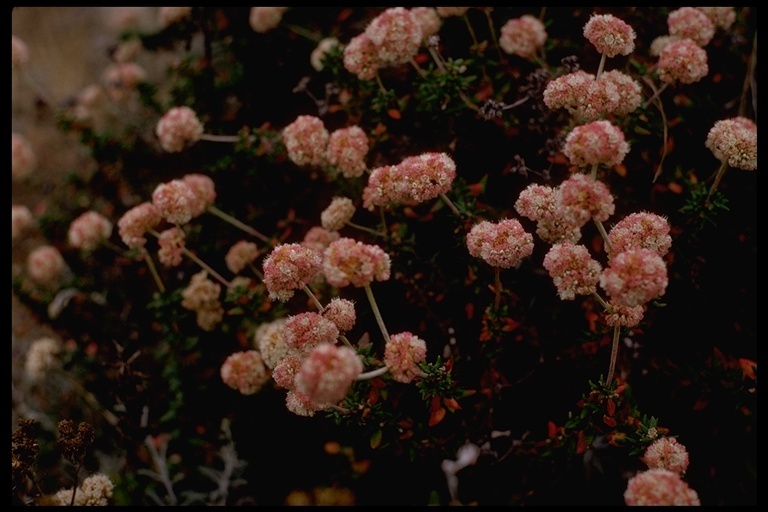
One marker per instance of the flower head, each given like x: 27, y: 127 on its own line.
x: 21, y: 220
x: 361, y: 57
x: 174, y: 201
x: 347, y: 148
x: 23, y: 158
x: 290, y: 267
x: 318, y: 54
x: 640, y: 230
x: 691, y: 23
x: 395, y: 34
x: 667, y: 453
x: 598, y: 142
x: 204, y: 191
x: 659, y: 487
x: 448, y: 12
x: 202, y: 297
x: 610, y: 35
x: 178, y: 128
x: 572, y: 269
x: 385, y: 187
x: 426, y: 176
x: 347, y: 261
x: 624, y: 316
x: 328, y: 372
x: 303, y: 331
x: 88, y: 230
x: 428, y: 19
x: 402, y: 354
x: 42, y: 357
x: 121, y: 78
x: 269, y: 340
x: 734, y: 141
x: 341, y: 312
x: 95, y: 491
x: 171, y: 242
x: 337, y: 214
x: 587, y: 197
x: 242, y: 253
x: 523, y: 36
x: 318, y: 238
x: 244, y: 371
x: 722, y: 17
x: 503, y: 244
x: 623, y: 93
x: 306, y: 140
x: 635, y: 277
x: 45, y: 264
x: 136, y: 222
x: 682, y: 61
x: 264, y: 19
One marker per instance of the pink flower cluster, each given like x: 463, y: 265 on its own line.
x: 554, y: 221
x: 734, y: 141
x: 121, y: 78
x: 290, y: 267
x: 268, y: 338
x: 241, y: 254
x: 523, y: 36
x: 635, y: 277
x: 321, y: 50
x: 318, y: 238
x: 691, y: 23
x: 245, y: 372
x: 573, y: 270
x: 448, y: 12
x: 304, y: 331
x: 682, y: 61
x: 667, y: 453
x: 171, y: 244
x: 264, y: 19
x: 396, y: 35
x: 610, y: 35
x: 414, y: 180
x: 659, y: 487
x: 503, y: 244
x: 175, y: 201
x: 202, y: 297
x: 306, y: 140
x: 88, y: 230
x: 136, y: 222
x: 402, y: 354
x: 45, y: 264
x: 596, y: 143
x: 428, y: 19
x: 21, y: 220
x: 624, y: 316
x: 347, y: 261
x: 341, y: 312
x: 337, y: 214
x: 640, y: 230
x: 327, y: 373
x: 23, y: 158
x: 178, y: 128
x: 587, y: 197
x: 722, y: 17
x: 347, y: 149
x: 204, y: 191
x: 590, y: 99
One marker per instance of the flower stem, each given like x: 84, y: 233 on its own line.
x: 381, y: 84
x: 320, y: 308
x: 450, y: 204
x: 153, y: 269
x: 228, y: 218
x: 614, y: 353
x: 602, y: 302
x: 718, y: 177
x: 373, y: 373
x: 219, y: 138
x: 376, y: 312
x: 363, y: 228
x: 601, y: 66
x: 497, y: 287
x: 603, y: 234
x: 205, y: 266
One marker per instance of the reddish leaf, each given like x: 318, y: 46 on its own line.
x: 610, y: 407
x: 582, y: 443
x: 436, y: 417
x: 394, y: 113
x: 748, y: 368
x: 609, y: 421
x: 451, y: 404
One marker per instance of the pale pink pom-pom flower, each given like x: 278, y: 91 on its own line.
x: 628, y: 93
x: 88, y: 230
x: 691, y: 23
x: 722, y: 17
x: 284, y: 372
x: 402, y: 354
x: 361, y: 57
x: 426, y: 176
x: 45, y: 264
x: 347, y: 148
x: 290, y: 267
x: 321, y: 50
x: 587, y: 197
x: 386, y: 187
x: 171, y: 244
x: 245, y: 372
x: 659, y: 487
x: 304, y: 331
x: 341, y: 312
x: 573, y: 270
x: 640, y: 230
x: 595, y: 143
x: 347, y: 261
x: 337, y: 214
x: 667, y: 453
x: 204, y: 191
x: 635, y: 277
x: 569, y: 91
x: 610, y: 35
x: 178, y: 128
x: 301, y: 404
x: 121, y: 78
x: 327, y: 373
x: 503, y: 244
x: 523, y: 36
x: 396, y: 35
x: 136, y: 222
x: 174, y: 201
x: 682, y: 61
x: 268, y: 338
x: 306, y: 140
x: 264, y: 19
x: 318, y: 238
x: 241, y: 254
x: 428, y: 19
x: 23, y: 158
x: 554, y: 222
x: 200, y: 293
x: 734, y: 141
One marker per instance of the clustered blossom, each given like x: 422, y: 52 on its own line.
x: 171, y: 244
x: 170, y: 15
x: 503, y: 244
x: 667, y: 453
x: 554, y: 221
x: 19, y: 52
x: 241, y: 254
x: 136, y: 222
x: 45, y: 264
x: 245, y: 372
x: 264, y: 19
x: 734, y: 141
x: 321, y: 50
x: 21, y: 220
x: 268, y: 338
x: 595, y: 143
x: 174, y: 201
x: 347, y: 149
x: 202, y: 297
x: 23, y: 158
x: 722, y: 17
x: 587, y: 197
x: 428, y: 19
x: 306, y: 140
x: 284, y: 373
x: 659, y: 43
x: 635, y: 277
x: 640, y: 230
x: 88, y: 230
x: 178, y: 128
x: 610, y: 35
x: 589, y: 99
x: 42, y: 357
x: 659, y: 487
x: 347, y: 261
x: 95, y: 491
x: 304, y: 331
x: 447, y: 12
x: 682, y: 61
x: 523, y: 36
x: 290, y: 267
x: 402, y: 354
x: 384, y: 188
x: 337, y: 214
x: 300, y: 404
x: 395, y: 34
x: 691, y: 23
x: 203, y: 190
x: 361, y: 57
x: 573, y: 270
x: 624, y: 316
x: 327, y: 373
x: 318, y: 238
x: 121, y: 78
x: 341, y: 312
